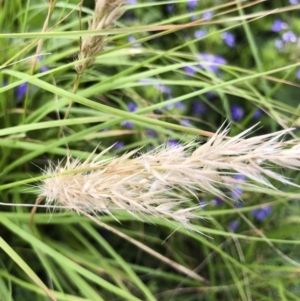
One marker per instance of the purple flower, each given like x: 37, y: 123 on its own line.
x: 171, y: 8
x: 200, y: 33
x: 199, y: 108
x: 180, y: 105
x: 127, y: 124
x: 21, y: 91
x: 132, y: 106
x: 258, y: 113
x: 212, y: 62
x: 44, y: 69
x: 294, y: 2
x: 289, y: 36
x: 240, y: 177
x: 278, y: 25
x: 131, y: 2
x: 237, y: 112
x: 298, y: 74
x: 233, y: 225
x: 132, y: 39
x: 210, y: 95
x: 228, y: 38
x: 192, y: 4
x: 279, y: 44
x: 129, y: 15
x: 163, y: 89
x: 119, y: 145
x: 185, y: 122
x: 173, y: 142
x: 238, y: 191
x: 217, y: 201
x: 191, y: 70
x: 151, y: 133
x: 261, y: 213
x: 207, y: 15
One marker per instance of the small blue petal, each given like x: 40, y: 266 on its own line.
x: 233, y: 225
x: 217, y: 201
x: 190, y: 70
x: 200, y: 33
x: 21, y: 91
x: 207, y: 15
x: 199, y: 108
x: 289, y: 36
x: 173, y: 142
x: 237, y: 112
x: 229, y: 38
x: 278, y: 25
x: 261, y: 213
x: 132, y: 106
x: 192, y: 3
x: 258, y: 113
x: 127, y: 124
x: 119, y: 145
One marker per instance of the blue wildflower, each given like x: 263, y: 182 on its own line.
x: 21, y: 90
x: 238, y: 191
x: 190, y: 70
x: 200, y: 33
x: 44, y: 69
x: 171, y: 8
x: 294, y: 2
x: 132, y: 39
x: 237, y: 112
x: 258, y: 113
x: 173, y: 142
x: 131, y: 2
x: 163, y: 88
x: 212, y: 62
x: 151, y: 133
x: 119, y: 145
x: 278, y: 25
x: 261, y: 213
x: 207, y: 15
x: 199, y: 108
x: 289, y: 36
x: 233, y: 225
x: 131, y: 108
x: 298, y: 74
x: 228, y: 38
x: 185, y: 122
x: 180, y: 105
x: 192, y: 4
x: 279, y: 44
x: 217, y: 201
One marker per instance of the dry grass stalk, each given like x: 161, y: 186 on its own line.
x: 106, y: 13
x: 160, y: 182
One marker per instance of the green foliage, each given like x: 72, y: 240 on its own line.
x: 65, y: 256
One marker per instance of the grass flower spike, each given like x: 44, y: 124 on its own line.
x: 106, y: 13
x: 163, y: 181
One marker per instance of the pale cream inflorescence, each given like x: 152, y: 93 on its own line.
x: 162, y: 182
x: 105, y: 14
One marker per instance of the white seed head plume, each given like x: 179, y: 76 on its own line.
x: 164, y: 182
x: 105, y: 15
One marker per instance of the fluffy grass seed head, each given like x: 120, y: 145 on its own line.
x: 163, y: 181
x: 105, y: 15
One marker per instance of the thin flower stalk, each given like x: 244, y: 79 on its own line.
x: 105, y: 15
x: 164, y: 182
